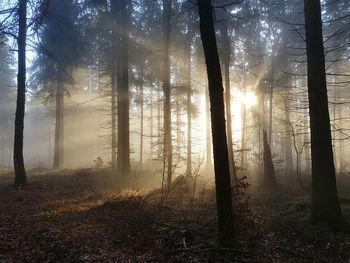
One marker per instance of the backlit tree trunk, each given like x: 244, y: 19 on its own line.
x: 269, y: 170
x: 20, y: 173
x: 208, y: 146
x: 226, y: 61
x: 142, y: 115
x: 59, y: 129
x: 168, y: 149
x: 113, y: 118
x: 325, y: 206
x: 123, y: 156
x: 189, y: 97
x: 221, y: 161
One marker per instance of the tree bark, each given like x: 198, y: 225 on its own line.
x: 188, y: 56
x: 269, y: 170
x: 123, y: 100
x: 271, y: 103
x: 226, y: 61
x: 20, y: 172
x: 113, y: 118
x: 168, y: 149
x: 221, y: 161
x: 59, y: 130
x: 287, y: 140
x: 325, y: 206
x: 115, y: 68
x: 209, y: 156
x: 142, y: 114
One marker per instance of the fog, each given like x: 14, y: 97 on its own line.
x: 77, y: 57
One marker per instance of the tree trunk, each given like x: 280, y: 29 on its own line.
x: 178, y: 122
x: 307, y: 170
x: 113, y: 117
x: 115, y: 68
x: 221, y: 161
x: 188, y: 56
x: 151, y: 125
x: 325, y: 206
x: 58, y: 151
x: 20, y: 173
x: 2, y: 145
x: 261, y: 124
x: 271, y: 104
x: 341, y: 144
x: 168, y: 149
x: 226, y: 60
x: 335, y: 99
x: 288, y: 151
x: 243, y: 135
x: 288, y: 139
x: 159, y: 118
x: 269, y: 170
x: 243, y: 123
x: 123, y: 156
x: 142, y: 114
x: 209, y: 156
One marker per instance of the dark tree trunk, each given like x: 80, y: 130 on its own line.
x: 20, y: 172
x: 142, y: 114
x: 123, y: 156
x: 226, y: 61
x: 178, y: 121
x: 244, y: 124
x: 209, y: 156
x: 59, y: 129
x: 269, y: 171
x: 159, y: 149
x: 288, y: 140
x: 188, y: 101
x: 325, y: 206
x: 221, y: 161
x: 151, y: 125
x: 271, y: 103
x: 115, y: 68
x: 113, y: 118
x: 168, y: 149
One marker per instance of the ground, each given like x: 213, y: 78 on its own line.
x: 83, y: 216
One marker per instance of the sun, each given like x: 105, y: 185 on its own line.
x: 248, y: 98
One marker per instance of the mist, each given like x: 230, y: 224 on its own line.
x: 221, y: 124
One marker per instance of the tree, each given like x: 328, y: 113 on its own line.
x: 220, y: 151
x: 7, y: 75
x: 123, y: 8
x: 325, y: 206
x: 226, y: 59
x: 269, y: 170
x: 20, y: 172
x: 189, y: 92
x: 168, y: 149
x: 59, y: 52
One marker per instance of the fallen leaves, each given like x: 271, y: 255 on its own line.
x: 68, y: 218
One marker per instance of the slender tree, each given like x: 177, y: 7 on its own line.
x: 221, y: 161
x: 123, y: 156
x: 226, y: 59
x: 20, y: 172
x: 188, y: 55
x: 325, y: 206
x: 168, y: 149
x: 59, y: 52
x: 7, y: 75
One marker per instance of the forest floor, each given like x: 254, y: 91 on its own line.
x: 84, y: 217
